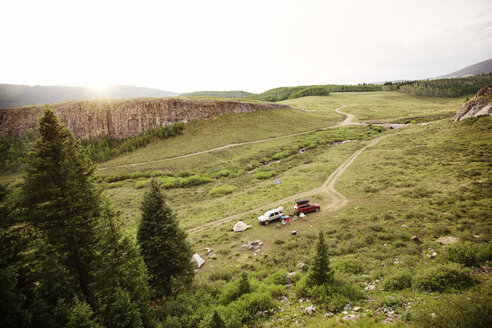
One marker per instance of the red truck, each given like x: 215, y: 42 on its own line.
x: 304, y: 206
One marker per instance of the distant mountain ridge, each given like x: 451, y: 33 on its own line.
x: 484, y: 67
x: 14, y: 95
x: 220, y: 94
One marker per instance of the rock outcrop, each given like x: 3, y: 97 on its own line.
x: 124, y: 118
x: 481, y: 104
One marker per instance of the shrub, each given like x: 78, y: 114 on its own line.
x: 441, y: 277
x: 467, y: 253
x: 258, y: 301
x: 350, y: 265
x: 398, y: 279
x: 452, y: 311
x: 221, y: 191
x: 265, y: 175
x: 141, y: 184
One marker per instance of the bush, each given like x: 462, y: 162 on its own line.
x: 221, y: 191
x: 452, y: 311
x: 467, y: 253
x: 398, y: 279
x: 265, y: 175
x: 258, y: 301
x: 141, y: 184
x: 350, y: 265
x: 442, y: 277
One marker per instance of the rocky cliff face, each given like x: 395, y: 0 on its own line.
x: 481, y: 104
x: 124, y: 118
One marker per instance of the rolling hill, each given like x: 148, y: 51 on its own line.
x: 14, y: 95
x: 484, y: 67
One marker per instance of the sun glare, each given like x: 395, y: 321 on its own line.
x: 100, y: 87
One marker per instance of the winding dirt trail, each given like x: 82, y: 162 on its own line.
x: 347, y: 121
x: 328, y: 187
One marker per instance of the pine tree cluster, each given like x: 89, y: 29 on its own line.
x: 64, y: 259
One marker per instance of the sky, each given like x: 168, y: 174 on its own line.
x: 248, y: 45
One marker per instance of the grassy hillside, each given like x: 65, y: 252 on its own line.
x: 284, y: 93
x: 427, y: 181
x: 395, y: 107
x: 218, y: 94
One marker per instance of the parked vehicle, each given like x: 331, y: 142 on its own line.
x: 304, y: 206
x: 272, y: 215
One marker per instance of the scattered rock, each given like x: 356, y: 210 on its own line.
x: 254, y: 245
x: 431, y: 256
x: 351, y: 317
x: 309, y: 310
x: 302, y: 266
x: 404, y: 226
x: 416, y: 239
x: 357, y: 308
x: 208, y: 249
x: 348, y: 307
x: 329, y: 314
x: 447, y: 240
x: 370, y: 287
x: 290, y: 277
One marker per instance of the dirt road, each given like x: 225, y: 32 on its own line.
x: 328, y: 187
x: 347, y: 121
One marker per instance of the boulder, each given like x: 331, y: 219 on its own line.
x: 309, y: 310
x: 290, y: 277
x: 481, y: 104
x: 447, y: 240
x: 351, y: 317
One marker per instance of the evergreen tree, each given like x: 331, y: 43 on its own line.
x: 120, y: 277
x: 320, y: 272
x: 165, y: 249
x: 82, y: 316
x: 244, y: 287
x: 217, y: 321
x: 61, y: 199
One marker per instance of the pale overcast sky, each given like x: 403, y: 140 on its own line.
x: 238, y: 45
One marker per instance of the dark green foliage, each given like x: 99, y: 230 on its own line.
x: 398, y: 279
x: 60, y: 198
x: 165, y: 249
x: 82, y: 316
x: 120, y: 277
x: 467, y: 253
x: 442, y: 277
x: 12, y: 150
x: 101, y: 149
x: 217, y: 94
x: 217, y: 321
x: 312, y: 91
x: 284, y: 93
x: 349, y: 265
x: 469, y: 310
x: 244, y: 286
x: 454, y: 87
x: 320, y: 272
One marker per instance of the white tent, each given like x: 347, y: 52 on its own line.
x: 198, y: 260
x: 241, y: 226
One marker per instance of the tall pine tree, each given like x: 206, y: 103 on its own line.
x: 120, y: 277
x: 164, y: 247
x: 320, y: 271
x: 61, y: 199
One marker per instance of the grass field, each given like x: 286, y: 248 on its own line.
x: 426, y: 181
x: 381, y: 106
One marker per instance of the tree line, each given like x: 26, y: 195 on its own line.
x: 64, y: 258
x: 100, y: 149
